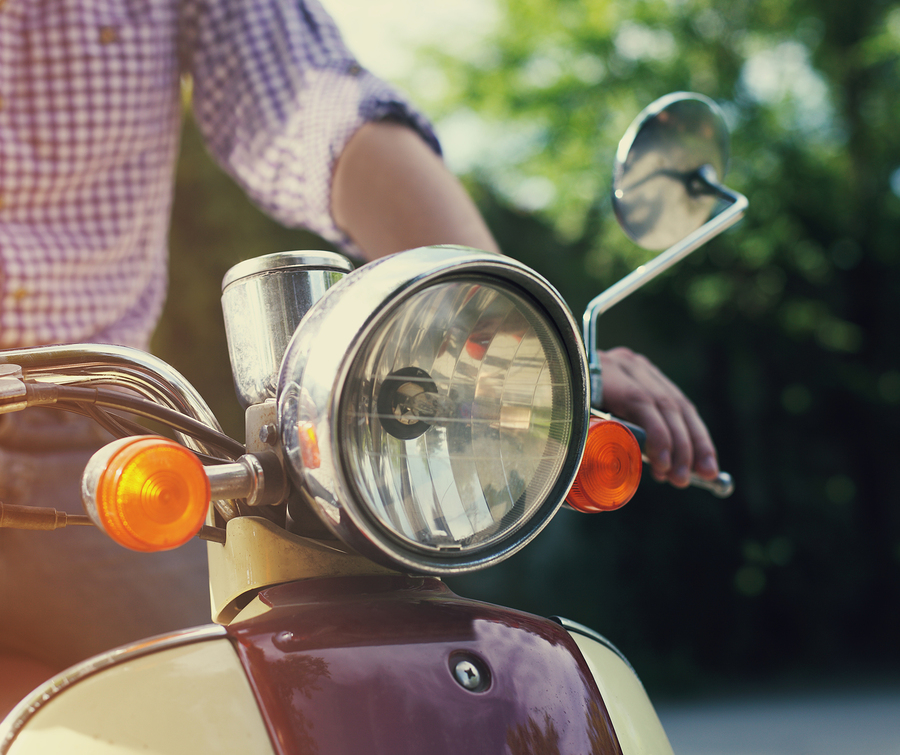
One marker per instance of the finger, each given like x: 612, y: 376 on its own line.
x: 682, y: 451
x: 683, y: 424
x: 657, y: 404
x: 706, y: 463
x: 698, y: 453
x: 659, y: 444
x: 677, y: 439
x: 692, y: 447
x: 628, y: 388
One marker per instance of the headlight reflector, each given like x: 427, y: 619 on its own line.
x: 459, y: 415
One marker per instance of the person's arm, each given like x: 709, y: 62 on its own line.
x: 392, y: 192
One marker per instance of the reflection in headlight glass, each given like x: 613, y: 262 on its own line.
x: 459, y: 416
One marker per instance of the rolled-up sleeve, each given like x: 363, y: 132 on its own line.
x: 277, y: 96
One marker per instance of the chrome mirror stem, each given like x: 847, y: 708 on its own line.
x: 703, y: 182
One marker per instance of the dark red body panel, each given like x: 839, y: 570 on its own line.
x: 365, y: 665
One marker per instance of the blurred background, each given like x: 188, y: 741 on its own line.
x: 784, y: 331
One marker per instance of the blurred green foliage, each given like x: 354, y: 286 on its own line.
x: 783, y: 331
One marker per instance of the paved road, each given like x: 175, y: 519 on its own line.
x: 850, y: 723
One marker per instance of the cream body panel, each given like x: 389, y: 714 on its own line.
x: 183, y: 700
x: 634, y: 718
x: 258, y: 554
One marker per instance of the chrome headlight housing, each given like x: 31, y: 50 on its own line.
x: 433, y: 408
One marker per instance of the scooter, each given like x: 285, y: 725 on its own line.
x: 424, y: 415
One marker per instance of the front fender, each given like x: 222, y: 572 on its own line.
x: 351, y: 665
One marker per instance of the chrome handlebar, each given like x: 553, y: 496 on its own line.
x: 90, y: 364
x: 122, y: 366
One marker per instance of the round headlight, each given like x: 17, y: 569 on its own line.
x: 433, y: 408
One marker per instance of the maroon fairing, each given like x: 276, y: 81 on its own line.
x: 365, y: 665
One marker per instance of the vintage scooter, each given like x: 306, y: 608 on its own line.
x: 424, y: 415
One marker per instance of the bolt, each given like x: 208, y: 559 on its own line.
x: 268, y: 434
x: 467, y: 674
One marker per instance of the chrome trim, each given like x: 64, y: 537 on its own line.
x: 303, y: 259
x: 263, y: 301
x: 647, y: 272
x: 721, y: 486
x: 320, y: 356
x: 236, y: 479
x: 29, y: 706
x: 93, y: 364
x: 258, y: 479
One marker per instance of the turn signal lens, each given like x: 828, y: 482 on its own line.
x: 147, y: 493
x: 610, y: 470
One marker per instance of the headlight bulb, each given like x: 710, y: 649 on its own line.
x: 407, y: 399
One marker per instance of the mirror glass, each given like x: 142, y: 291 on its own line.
x: 658, y: 197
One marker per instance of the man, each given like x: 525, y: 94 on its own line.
x: 90, y: 111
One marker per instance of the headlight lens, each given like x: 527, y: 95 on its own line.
x: 459, y: 416
x: 433, y: 408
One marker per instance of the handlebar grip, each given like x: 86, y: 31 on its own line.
x: 721, y: 487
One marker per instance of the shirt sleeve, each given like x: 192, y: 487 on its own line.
x: 277, y: 95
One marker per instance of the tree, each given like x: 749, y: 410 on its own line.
x: 782, y: 330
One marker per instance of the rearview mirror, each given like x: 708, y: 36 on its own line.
x: 666, y: 183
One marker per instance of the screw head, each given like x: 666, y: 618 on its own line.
x: 467, y: 674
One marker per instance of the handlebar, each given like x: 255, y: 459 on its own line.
x: 86, y: 364
x: 721, y: 486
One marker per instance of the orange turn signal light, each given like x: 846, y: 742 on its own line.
x: 147, y: 493
x: 610, y: 470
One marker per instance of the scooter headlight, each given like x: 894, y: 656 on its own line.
x: 433, y: 408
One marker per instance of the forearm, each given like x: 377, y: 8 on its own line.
x: 392, y: 192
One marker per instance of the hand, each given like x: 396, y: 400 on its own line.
x: 677, y: 440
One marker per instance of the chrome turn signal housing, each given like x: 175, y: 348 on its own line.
x: 433, y: 408
x: 146, y: 492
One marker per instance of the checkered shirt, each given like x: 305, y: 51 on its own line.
x: 90, y: 111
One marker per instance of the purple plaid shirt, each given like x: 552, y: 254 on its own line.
x: 90, y: 111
